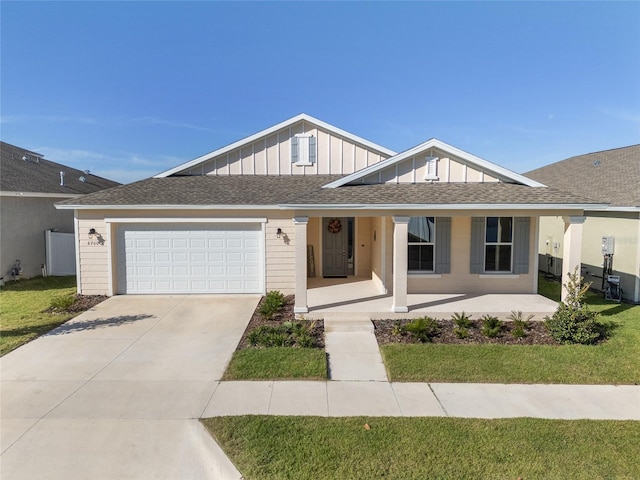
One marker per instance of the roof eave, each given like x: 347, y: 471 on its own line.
x: 448, y: 206
x: 166, y: 207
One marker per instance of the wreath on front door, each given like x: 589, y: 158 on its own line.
x: 334, y: 225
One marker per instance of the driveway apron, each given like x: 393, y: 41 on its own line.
x: 116, y: 392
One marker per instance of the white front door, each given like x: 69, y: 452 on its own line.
x: 190, y: 258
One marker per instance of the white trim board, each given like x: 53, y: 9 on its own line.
x: 182, y: 220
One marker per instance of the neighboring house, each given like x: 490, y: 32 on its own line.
x: 611, y: 177
x: 29, y: 188
x: 304, y: 198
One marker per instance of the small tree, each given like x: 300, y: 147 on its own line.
x: 572, y: 321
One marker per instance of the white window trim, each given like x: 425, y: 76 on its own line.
x: 499, y: 275
x: 424, y: 272
x: 493, y: 273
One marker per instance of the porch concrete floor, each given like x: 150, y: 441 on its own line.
x: 359, y: 298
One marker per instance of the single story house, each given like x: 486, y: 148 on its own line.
x: 30, y: 186
x: 611, y: 177
x: 304, y: 198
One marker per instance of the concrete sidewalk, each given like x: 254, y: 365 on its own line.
x: 337, y: 399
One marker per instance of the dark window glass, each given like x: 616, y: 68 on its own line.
x: 497, y: 258
x: 420, y: 258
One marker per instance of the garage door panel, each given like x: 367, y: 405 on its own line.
x: 220, y: 258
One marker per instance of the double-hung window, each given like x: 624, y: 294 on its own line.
x: 421, y: 244
x: 498, y: 245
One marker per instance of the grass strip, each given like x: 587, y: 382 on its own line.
x: 265, y: 448
x: 277, y: 363
x: 21, y: 309
x: 617, y: 361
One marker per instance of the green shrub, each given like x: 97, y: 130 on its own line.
x: 462, y: 320
x: 272, y: 303
x: 461, y: 332
x: 491, y: 326
x: 398, y: 328
x: 520, y: 324
x: 288, y: 334
x: 62, y: 302
x: 572, y: 321
x: 423, y: 328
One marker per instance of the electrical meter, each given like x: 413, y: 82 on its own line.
x: 608, y: 245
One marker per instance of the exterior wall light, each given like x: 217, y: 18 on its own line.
x: 92, y: 232
x: 279, y: 232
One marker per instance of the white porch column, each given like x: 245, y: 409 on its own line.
x: 572, y: 248
x: 300, y: 230
x: 400, y: 255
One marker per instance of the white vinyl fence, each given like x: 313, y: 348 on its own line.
x: 61, y: 253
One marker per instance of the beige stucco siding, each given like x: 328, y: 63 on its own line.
x: 626, y: 259
x: 362, y: 247
x: 24, y: 221
x: 461, y: 281
x: 271, y: 155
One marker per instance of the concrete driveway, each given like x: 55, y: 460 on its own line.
x: 115, y: 393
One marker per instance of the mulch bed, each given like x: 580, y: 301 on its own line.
x: 284, y: 315
x: 81, y: 303
x: 535, y: 335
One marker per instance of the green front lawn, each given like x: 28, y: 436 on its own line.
x: 265, y: 447
x: 616, y: 361
x: 277, y: 363
x: 21, y: 306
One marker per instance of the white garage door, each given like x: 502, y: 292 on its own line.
x: 208, y: 258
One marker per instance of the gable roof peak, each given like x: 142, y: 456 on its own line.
x: 502, y: 173
x: 270, y: 130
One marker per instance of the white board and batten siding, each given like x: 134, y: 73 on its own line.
x: 447, y: 169
x: 272, y: 155
x: 190, y: 258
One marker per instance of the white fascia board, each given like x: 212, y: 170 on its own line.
x: 40, y: 195
x: 613, y: 209
x: 428, y: 206
x: 167, y: 207
x: 183, y: 220
x: 435, y: 143
x: 269, y: 131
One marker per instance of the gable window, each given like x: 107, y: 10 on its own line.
x: 421, y: 244
x: 432, y: 168
x: 498, y: 244
x: 303, y: 149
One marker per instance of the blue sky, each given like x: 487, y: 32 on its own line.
x: 129, y: 89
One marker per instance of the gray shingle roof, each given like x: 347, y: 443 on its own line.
x: 37, y: 175
x: 207, y: 190
x: 610, y: 176
x: 307, y: 190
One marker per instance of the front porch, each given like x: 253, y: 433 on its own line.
x: 359, y: 298
x: 450, y: 274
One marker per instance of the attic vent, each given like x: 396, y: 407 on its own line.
x: 83, y: 178
x: 596, y: 163
x: 62, y: 179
